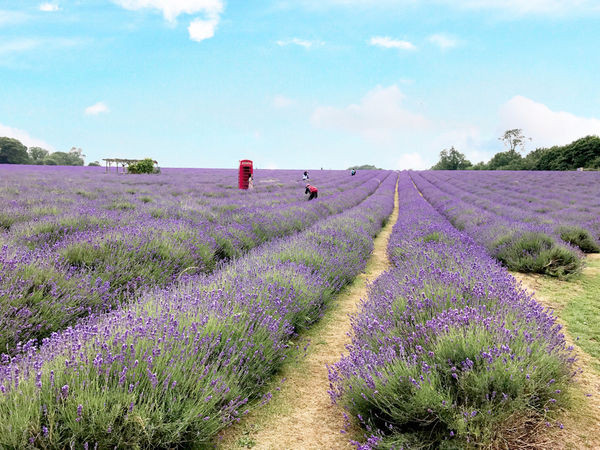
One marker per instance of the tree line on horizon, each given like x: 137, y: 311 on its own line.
x: 581, y: 153
x: 364, y: 167
x: 13, y: 151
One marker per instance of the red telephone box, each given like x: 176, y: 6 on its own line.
x: 245, y: 171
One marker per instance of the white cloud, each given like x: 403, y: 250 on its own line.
x: 467, y: 139
x: 544, y: 126
x: 443, y: 41
x: 173, y: 8
x: 199, y: 29
x: 412, y: 161
x: 281, y: 101
x: 97, y: 108
x: 301, y: 42
x: 48, y: 7
x: 24, y: 137
x: 387, y: 42
x: 379, y: 115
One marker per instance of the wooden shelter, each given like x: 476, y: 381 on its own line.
x: 123, y: 161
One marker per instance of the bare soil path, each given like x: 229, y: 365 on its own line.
x: 582, y: 421
x: 300, y: 414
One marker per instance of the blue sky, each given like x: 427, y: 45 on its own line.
x: 297, y: 84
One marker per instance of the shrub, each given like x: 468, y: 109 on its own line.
x: 144, y: 166
x: 536, y: 252
x: 579, y: 237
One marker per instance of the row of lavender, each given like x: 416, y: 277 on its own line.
x: 184, y: 362
x: 557, y: 198
x: 448, y: 351
x: 66, y: 256
x: 515, y: 237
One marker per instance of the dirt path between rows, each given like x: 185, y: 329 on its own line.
x: 301, y: 415
x: 582, y: 421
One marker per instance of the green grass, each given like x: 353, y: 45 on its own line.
x: 577, y: 303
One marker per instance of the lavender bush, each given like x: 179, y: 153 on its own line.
x: 448, y: 351
x: 184, y: 361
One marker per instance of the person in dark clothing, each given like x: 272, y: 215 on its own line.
x: 353, y: 172
x: 313, y: 191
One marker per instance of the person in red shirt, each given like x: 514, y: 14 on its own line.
x: 314, y: 192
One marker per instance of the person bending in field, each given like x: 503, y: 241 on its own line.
x: 313, y: 191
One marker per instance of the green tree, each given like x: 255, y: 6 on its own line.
x: 479, y: 166
x: 12, y: 151
x: 509, y: 160
x: 532, y: 160
x: 38, y: 155
x: 584, y: 152
x: 452, y: 159
x: 76, y: 157
x: 514, y: 139
x: 364, y: 167
x: 73, y: 158
x: 60, y: 159
x: 94, y: 164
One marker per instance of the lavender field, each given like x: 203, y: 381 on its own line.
x: 531, y: 221
x: 152, y: 311
x: 181, y: 293
x: 76, y: 241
